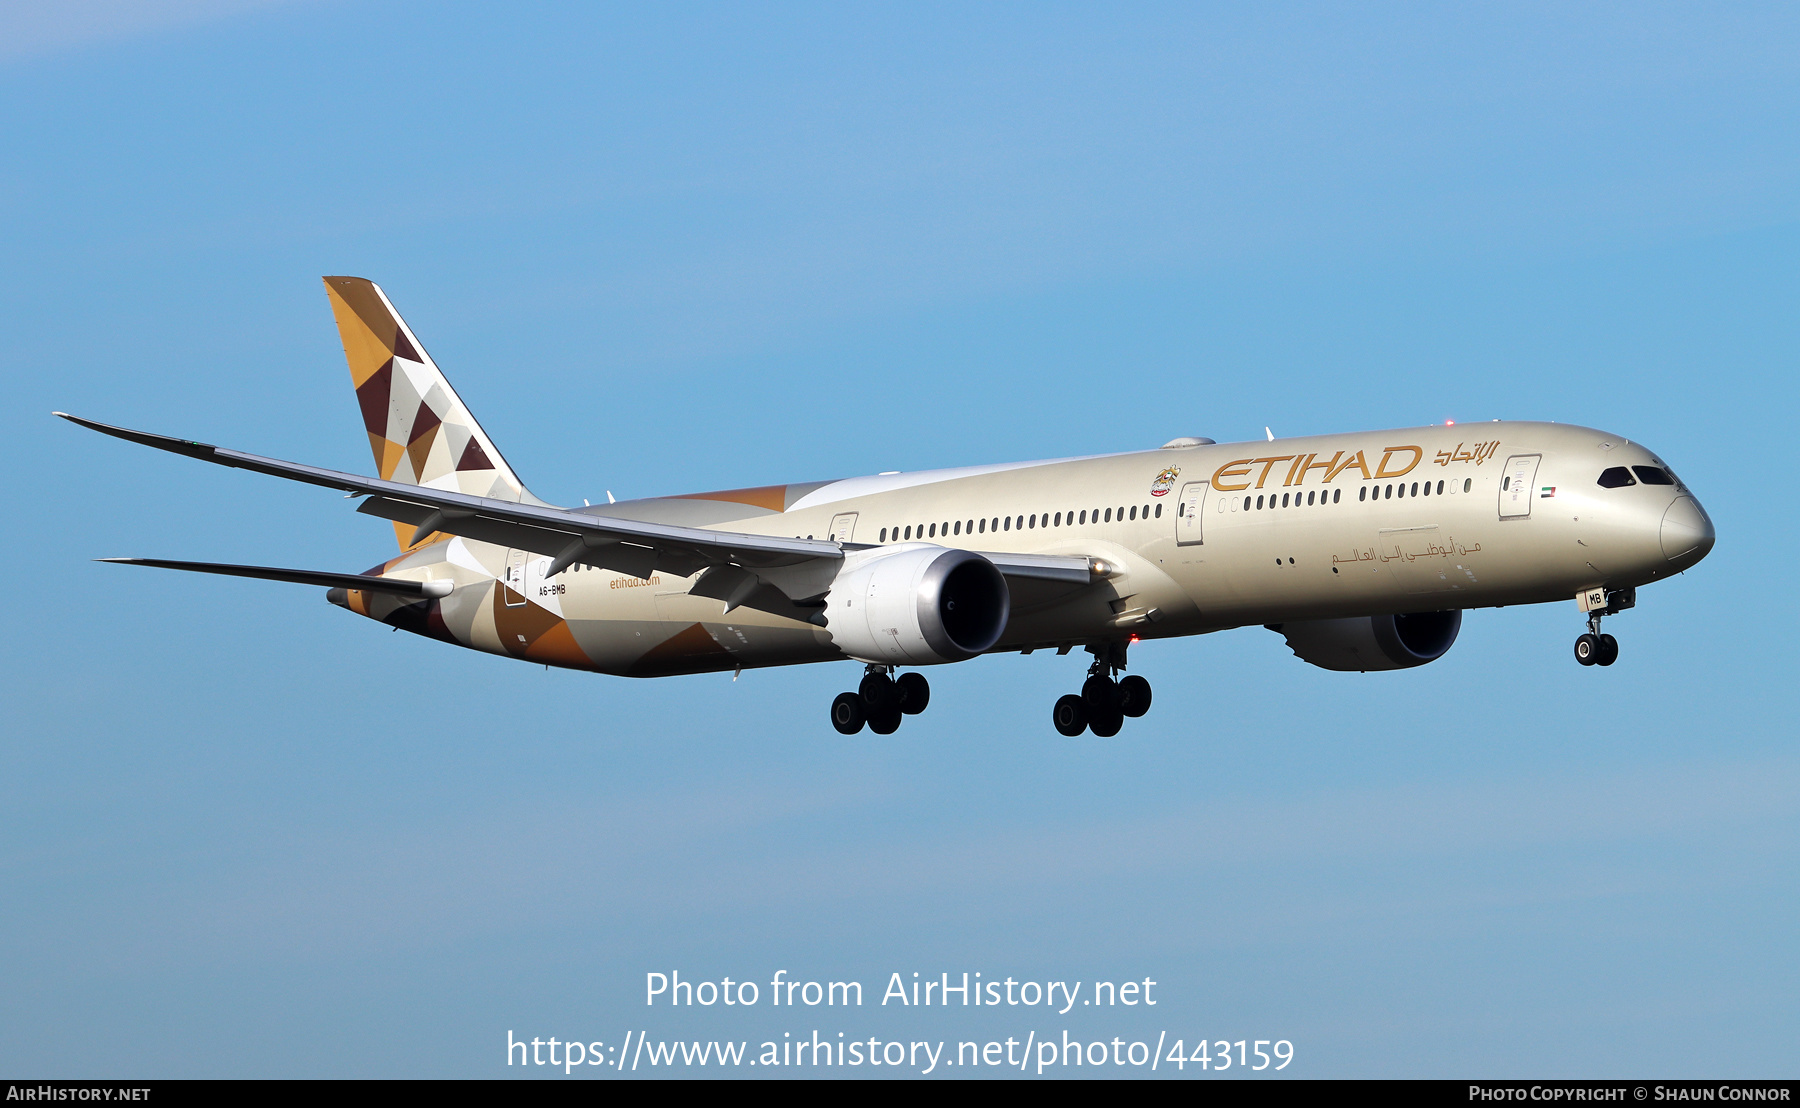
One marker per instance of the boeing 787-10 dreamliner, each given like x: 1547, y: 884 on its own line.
x: 1362, y: 549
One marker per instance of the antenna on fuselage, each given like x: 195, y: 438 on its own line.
x: 1269, y: 433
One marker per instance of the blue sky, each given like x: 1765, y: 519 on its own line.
x: 243, y: 833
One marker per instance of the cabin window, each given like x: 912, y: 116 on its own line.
x: 1082, y: 518
x: 1651, y: 475
x: 884, y: 534
x: 1362, y: 493
x: 1337, y: 495
x: 1467, y: 481
x: 1159, y: 511
x: 1389, y: 495
x: 1008, y: 523
x: 909, y: 532
x: 1415, y: 488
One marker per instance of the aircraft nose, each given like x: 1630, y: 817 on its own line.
x: 1687, y: 533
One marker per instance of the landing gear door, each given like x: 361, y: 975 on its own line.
x: 1189, y: 511
x: 1516, y: 492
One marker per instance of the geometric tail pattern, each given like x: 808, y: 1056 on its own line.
x: 419, y: 430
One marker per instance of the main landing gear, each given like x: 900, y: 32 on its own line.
x: 1595, y: 649
x: 1103, y: 703
x: 880, y: 701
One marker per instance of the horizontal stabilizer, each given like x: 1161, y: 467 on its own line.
x: 365, y: 582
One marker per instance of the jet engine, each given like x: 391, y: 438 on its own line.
x: 1366, y: 643
x: 916, y: 605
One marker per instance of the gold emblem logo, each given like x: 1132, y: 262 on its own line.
x: 1165, y: 481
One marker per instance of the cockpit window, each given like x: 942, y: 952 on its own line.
x: 1616, y: 478
x: 1651, y: 475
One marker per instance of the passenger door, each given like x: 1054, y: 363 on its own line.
x: 843, y: 526
x: 1188, y: 512
x: 1516, y: 480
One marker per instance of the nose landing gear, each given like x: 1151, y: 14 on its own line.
x: 1103, y: 704
x: 1594, y: 648
x: 880, y: 701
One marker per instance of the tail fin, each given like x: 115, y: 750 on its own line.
x: 419, y: 429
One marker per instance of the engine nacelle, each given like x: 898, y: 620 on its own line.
x: 916, y: 604
x: 1365, y: 643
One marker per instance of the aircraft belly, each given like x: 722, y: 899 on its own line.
x: 651, y: 628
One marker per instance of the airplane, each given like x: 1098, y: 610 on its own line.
x: 1362, y: 550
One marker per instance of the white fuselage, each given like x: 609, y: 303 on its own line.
x: 1413, y: 520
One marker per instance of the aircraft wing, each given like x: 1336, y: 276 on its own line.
x: 792, y: 573
x: 625, y: 545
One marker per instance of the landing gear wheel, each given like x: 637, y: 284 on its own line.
x: 1609, y: 651
x: 1102, y: 696
x: 886, y: 723
x: 1134, y: 696
x: 879, y: 694
x: 847, y: 713
x: 915, y: 692
x: 1587, y: 649
x: 1070, y: 715
x: 1106, y: 725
